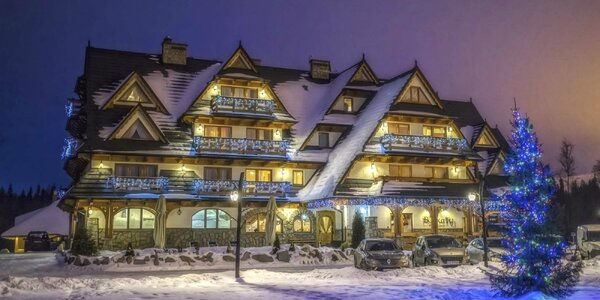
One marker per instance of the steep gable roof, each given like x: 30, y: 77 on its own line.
x: 340, y: 159
x: 240, y: 60
x: 137, y: 124
x: 133, y: 91
x: 364, y: 74
x: 418, y: 90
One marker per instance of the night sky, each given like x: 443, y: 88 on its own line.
x: 544, y: 53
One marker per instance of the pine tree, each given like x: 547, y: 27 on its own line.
x: 83, y: 243
x: 533, y: 262
x: 358, y: 229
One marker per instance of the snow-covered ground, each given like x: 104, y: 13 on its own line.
x: 51, y: 281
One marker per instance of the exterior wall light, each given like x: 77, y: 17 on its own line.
x: 234, y: 196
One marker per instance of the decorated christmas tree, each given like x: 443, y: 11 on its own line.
x: 535, y: 250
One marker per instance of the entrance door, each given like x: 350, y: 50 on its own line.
x: 93, y: 228
x: 326, y: 227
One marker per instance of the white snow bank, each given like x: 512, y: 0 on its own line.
x: 38, y: 221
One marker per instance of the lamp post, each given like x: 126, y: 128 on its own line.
x: 236, y: 196
x: 472, y: 197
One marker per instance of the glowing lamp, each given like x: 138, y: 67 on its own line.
x: 234, y: 196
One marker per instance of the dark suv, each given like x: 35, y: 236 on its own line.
x: 38, y: 241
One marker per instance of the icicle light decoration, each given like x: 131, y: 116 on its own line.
x: 244, y: 105
x: 389, y: 141
x: 240, y: 145
x: 137, y: 183
x: 251, y: 187
x: 69, y: 148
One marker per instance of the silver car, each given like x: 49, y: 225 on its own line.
x: 439, y: 250
x: 377, y: 254
x: 495, y: 249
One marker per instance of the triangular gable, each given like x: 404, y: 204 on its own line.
x: 240, y: 60
x: 135, y: 91
x: 364, y: 74
x: 138, y: 125
x: 418, y: 90
x: 497, y: 166
x: 486, y: 138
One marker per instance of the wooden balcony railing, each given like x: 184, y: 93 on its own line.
x: 222, y: 104
x: 123, y: 183
x: 395, y: 142
x: 203, y: 186
x: 240, y: 146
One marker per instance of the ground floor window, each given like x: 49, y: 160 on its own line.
x: 258, y: 223
x: 302, y: 224
x: 133, y: 218
x: 212, y: 218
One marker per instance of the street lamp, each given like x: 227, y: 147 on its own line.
x: 472, y: 197
x: 235, y: 196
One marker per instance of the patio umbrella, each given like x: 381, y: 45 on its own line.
x: 160, y: 223
x: 271, y: 220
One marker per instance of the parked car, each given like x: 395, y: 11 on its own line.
x: 588, y: 240
x: 496, y: 249
x: 38, y: 241
x: 439, y: 250
x: 377, y: 254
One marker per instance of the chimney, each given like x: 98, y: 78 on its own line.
x: 320, y: 69
x: 173, y: 53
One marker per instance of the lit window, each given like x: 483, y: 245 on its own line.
x: 259, y: 134
x: 434, y: 131
x: 348, y: 104
x: 436, y: 172
x: 133, y: 218
x: 298, y: 177
x: 399, y: 128
x: 458, y: 173
x: 400, y: 171
x: 302, y: 223
x: 211, y: 218
x: 258, y: 175
x: 217, y: 131
x: 258, y: 223
x: 239, y: 92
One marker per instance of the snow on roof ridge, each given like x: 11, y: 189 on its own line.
x: 345, y: 152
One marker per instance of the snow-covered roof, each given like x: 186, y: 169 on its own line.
x: 324, y: 183
x: 38, y: 220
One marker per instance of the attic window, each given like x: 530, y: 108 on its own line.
x: 138, y: 131
x: 348, y: 104
x: 239, y: 92
x: 415, y: 95
x: 434, y: 131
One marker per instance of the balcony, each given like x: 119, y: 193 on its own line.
x: 138, y: 184
x: 395, y: 142
x: 250, y: 187
x: 235, y: 105
x: 240, y: 146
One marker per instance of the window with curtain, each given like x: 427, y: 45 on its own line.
x: 434, y: 131
x: 212, y: 218
x: 133, y: 218
x: 398, y: 128
x: 436, y: 172
x: 133, y: 170
x: 400, y: 171
x: 213, y: 173
x: 239, y: 92
x: 348, y: 104
x: 259, y: 134
x: 217, y: 131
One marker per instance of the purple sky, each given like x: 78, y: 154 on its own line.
x: 544, y: 53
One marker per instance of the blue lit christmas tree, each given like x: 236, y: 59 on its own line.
x: 535, y: 252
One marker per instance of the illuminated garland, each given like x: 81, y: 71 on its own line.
x: 242, y: 104
x: 137, y: 183
x: 240, y: 145
x: 250, y: 187
x: 534, y: 258
x: 401, y: 201
x: 69, y: 109
x: 70, y: 147
x: 424, y: 142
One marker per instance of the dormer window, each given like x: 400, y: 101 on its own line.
x: 239, y: 92
x: 348, y: 104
